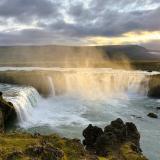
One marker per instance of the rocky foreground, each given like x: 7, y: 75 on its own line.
x: 118, y: 141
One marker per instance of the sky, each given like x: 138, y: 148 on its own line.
x: 80, y: 22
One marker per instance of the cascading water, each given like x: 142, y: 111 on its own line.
x: 51, y: 84
x: 90, y: 84
x: 103, y: 84
x: 23, y: 99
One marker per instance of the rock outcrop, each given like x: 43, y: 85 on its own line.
x: 91, y: 133
x: 116, y: 139
x: 154, y: 86
x: 7, y: 113
x: 152, y: 115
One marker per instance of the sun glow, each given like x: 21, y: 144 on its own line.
x: 130, y: 37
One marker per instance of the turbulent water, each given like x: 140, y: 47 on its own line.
x: 94, y: 96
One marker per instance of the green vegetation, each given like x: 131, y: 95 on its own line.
x: 128, y: 153
x: 24, y: 146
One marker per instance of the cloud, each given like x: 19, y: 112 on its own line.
x: 154, y: 45
x: 62, y: 21
x: 28, y: 10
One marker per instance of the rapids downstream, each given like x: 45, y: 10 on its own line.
x: 86, y: 96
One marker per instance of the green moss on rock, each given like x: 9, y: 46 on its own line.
x: 26, y: 146
x: 128, y: 153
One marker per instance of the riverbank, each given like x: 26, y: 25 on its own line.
x: 24, y: 146
x: 104, y: 146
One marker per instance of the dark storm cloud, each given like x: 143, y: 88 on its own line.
x: 65, y: 19
x: 37, y: 37
x: 28, y: 9
x: 105, y: 18
x: 24, y: 37
x: 108, y: 23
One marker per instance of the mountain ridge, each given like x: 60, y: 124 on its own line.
x: 74, y: 53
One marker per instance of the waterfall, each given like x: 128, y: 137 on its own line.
x: 87, y: 83
x: 100, y: 84
x: 24, y: 99
x: 51, y: 84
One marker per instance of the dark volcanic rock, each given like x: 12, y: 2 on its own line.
x: 7, y: 113
x: 132, y: 134
x: 114, y: 135
x: 152, y: 115
x: 158, y: 108
x: 91, y: 133
x: 154, y: 86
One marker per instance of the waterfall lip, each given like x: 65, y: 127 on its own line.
x: 74, y: 69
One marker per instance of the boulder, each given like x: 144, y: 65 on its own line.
x: 152, y: 115
x: 7, y: 113
x: 117, y: 127
x: 113, y: 138
x: 91, y: 133
x: 132, y: 134
x: 105, y: 143
x: 154, y: 86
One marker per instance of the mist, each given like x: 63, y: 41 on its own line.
x: 63, y: 56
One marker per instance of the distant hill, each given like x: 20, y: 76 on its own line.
x: 53, y: 53
x: 133, y: 52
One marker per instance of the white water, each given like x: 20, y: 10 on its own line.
x: 94, y: 85
x: 23, y: 98
x: 52, y: 88
x: 94, y: 96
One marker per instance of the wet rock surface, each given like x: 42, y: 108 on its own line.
x: 154, y: 86
x: 152, y: 115
x: 7, y: 113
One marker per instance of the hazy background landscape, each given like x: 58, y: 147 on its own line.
x: 81, y: 56
x: 65, y: 64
